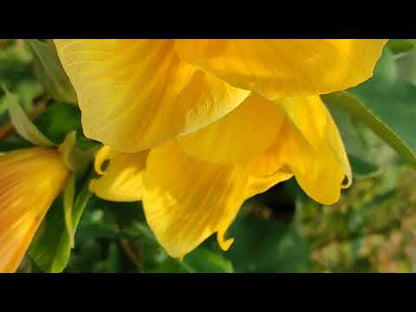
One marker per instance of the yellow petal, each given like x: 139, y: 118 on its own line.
x: 285, y: 67
x: 186, y: 200
x: 30, y: 180
x: 247, y: 131
x: 123, y: 179
x: 313, y: 149
x: 136, y: 94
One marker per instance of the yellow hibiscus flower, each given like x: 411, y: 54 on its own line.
x: 30, y: 180
x: 195, y: 127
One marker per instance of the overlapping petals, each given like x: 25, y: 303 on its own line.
x: 285, y: 67
x: 136, y: 94
x: 248, y: 131
x: 29, y: 182
x: 189, y: 195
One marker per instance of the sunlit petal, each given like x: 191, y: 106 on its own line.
x: 313, y: 149
x: 123, y: 178
x: 136, y: 94
x: 187, y: 200
x: 285, y: 67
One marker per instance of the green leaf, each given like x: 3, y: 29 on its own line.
x: 203, y: 260
x: 55, y: 123
x: 23, y: 125
x: 355, y: 137
x: 398, y: 46
x: 51, y: 247
x: 50, y: 71
x: 385, y: 104
x: 353, y: 105
x: 391, y: 100
x: 68, y: 207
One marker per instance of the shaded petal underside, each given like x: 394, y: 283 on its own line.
x: 30, y: 180
x: 247, y: 131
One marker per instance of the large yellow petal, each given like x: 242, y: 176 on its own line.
x: 285, y: 67
x: 123, y: 178
x: 136, y: 94
x: 186, y: 200
x: 309, y: 145
x: 247, y: 131
x: 30, y: 180
x: 313, y: 150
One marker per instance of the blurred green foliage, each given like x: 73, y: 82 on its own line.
x: 371, y: 229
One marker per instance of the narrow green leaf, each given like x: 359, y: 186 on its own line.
x: 391, y: 99
x: 358, y: 140
x: 51, y: 247
x: 203, y: 260
x: 68, y: 206
x: 23, y: 125
x: 352, y: 104
x: 50, y: 71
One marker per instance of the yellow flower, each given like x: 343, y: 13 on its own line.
x: 136, y: 94
x: 195, y: 127
x: 30, y: 180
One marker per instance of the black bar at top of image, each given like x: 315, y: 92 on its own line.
x: 151, y: 19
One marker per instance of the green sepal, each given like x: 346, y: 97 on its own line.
x: 49, y: 70
x: 75, y: 158
x: 22, y: 124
